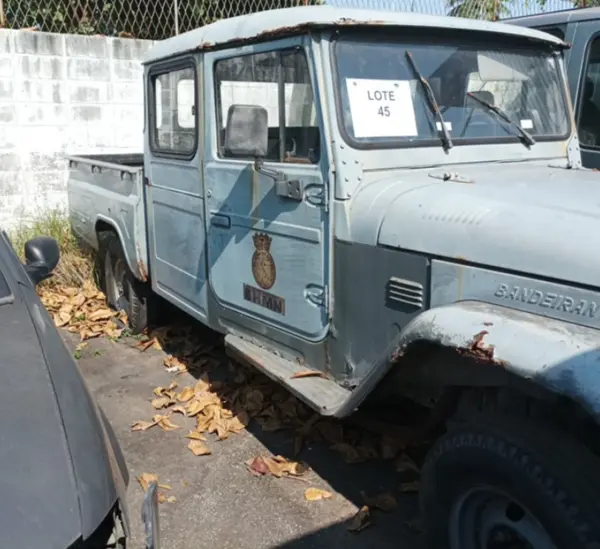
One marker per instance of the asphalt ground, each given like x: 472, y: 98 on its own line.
x: 218, y: 503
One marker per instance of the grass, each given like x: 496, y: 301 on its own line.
x: 75, y: 265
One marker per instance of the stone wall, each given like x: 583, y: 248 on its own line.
x: 62, y: 94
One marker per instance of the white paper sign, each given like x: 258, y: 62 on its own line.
x: 527, y: 124
x: 381, y: 108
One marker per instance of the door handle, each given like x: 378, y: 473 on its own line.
x: 220, y: 220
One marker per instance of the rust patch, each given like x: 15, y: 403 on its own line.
x: 142, y: 270
x: 480, y: 351
x: 285, y: 31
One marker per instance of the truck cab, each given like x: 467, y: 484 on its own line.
x: 388, y: 205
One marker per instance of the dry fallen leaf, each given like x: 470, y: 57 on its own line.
x: 412, y: 486
x: 143, y: 425
x: 389, y: 447
x: 361, y: 520
x: 165, y: 423
x: 404, y: 463
x: 162, y: 498
x: 195, y: 435
x: 258, y: 466
x: 145, y: 345
x: 145, y: 479
x: 414, y: 525
x: 349, y: 452
x: 308, y: 373
x: 101, y: 314
x: 198, y: 448
x: 161, y: 402
x: 186, y: 394
x: 384, y: 502
x: 316, y: 494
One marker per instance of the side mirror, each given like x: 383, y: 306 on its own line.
x: 41, y: 257
x: 247, y: 131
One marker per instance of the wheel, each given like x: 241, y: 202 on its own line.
x: 505, y: 485
x: 123, y: 291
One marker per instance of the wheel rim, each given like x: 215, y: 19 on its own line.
x: 116, y: 282
x: 486, y: 518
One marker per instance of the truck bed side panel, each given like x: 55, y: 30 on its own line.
x: 106, y: 194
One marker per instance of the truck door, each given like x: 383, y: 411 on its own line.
x: 267, y: 250
x: 174, y: 194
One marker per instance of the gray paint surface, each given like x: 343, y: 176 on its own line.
x: 284, y: 21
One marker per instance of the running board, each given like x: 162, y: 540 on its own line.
x: 322, y: 394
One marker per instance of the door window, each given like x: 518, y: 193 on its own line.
x: 589, y: 99
x: 174, y: 118
x: 279, y: 82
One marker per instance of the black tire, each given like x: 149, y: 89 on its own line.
x: 123, y: 290
x: 529, y: 471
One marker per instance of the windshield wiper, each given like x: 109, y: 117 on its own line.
x: 525, y: 135
x: 433, y: 104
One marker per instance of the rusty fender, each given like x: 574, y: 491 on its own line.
x: 561, y: 357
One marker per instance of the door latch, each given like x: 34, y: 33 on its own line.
x: 317, y: 295
x: 293, y: 188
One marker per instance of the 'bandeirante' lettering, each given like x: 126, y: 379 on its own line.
x: 547, y: 300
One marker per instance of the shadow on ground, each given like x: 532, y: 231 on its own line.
x: 362, y: 455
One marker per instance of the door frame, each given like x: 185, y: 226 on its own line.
x: 194, y: 62
x: 324, y: 166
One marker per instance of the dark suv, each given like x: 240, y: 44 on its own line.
x: 63, y: 477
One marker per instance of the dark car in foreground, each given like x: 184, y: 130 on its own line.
x: 63, y: 476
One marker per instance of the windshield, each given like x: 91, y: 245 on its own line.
x: 382, y: 100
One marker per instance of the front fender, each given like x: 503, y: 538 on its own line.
x: 561, y: 357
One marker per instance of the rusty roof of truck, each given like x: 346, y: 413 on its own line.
x: 278, y: 23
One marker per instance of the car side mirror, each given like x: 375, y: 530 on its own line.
x: 247, y: 131
x: 41, y: 257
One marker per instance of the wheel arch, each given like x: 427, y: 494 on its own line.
x: 477, y: 344
x: 136, y: 266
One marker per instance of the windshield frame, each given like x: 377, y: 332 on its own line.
x: 411, y: 36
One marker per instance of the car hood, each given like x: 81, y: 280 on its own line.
x: 56, y: 477
x: 39, y: 494
x: 531, y: 218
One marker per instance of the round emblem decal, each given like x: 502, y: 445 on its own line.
x: 263, y: 266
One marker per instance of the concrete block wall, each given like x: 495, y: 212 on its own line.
x: 62, y: 94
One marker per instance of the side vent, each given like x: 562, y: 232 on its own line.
x: 401, y: 293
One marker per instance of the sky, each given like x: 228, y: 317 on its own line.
x: 439, y: 7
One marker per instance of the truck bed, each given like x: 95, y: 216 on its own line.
x: 106, y: 192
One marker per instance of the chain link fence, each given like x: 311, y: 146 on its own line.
x: 159, y: 19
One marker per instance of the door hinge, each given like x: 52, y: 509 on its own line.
x: 317, y: 295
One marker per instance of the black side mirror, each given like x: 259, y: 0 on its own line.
x: 41, y: 257
x: 247, y: 131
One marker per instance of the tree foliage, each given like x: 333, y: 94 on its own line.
x: 158, y: 19
x: 149, y: 19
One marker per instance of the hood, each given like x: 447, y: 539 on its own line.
x: 57, y: 478
x: 40, y: 507
x: 530, y: 218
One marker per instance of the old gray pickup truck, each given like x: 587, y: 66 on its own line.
x: 397, y: 202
